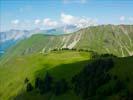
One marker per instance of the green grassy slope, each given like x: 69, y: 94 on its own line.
x: 122, y: 69
x: 61, y: 64
x: 28, y: 58
x: 13, y: 72
x: 108, y: 38
x: 102, y: 39
x: 36, y: 44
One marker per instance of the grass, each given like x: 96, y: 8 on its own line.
x: 60, y: 64
x: 102, y: 39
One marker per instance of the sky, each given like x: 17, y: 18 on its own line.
x: 46, y: 14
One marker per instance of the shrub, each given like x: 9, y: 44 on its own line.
x: 60, y: 87
x: 29, y: 87
x: 38, y: 82
x: 94, y: 75
x: 47, y: 82
x: 26, y: 80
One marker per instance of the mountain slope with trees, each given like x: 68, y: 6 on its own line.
x: 57, y: 67
x: 114, y: 39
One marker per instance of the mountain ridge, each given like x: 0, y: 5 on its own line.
x: 115, y: 39
x: 40, y: 53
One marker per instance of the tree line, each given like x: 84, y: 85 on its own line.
x: 73, y: 49
x: 48, y: 84
x: 93, y: 82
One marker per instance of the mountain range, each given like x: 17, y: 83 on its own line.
x: 9, y: 38
x: 104, y: 53
x: 115, y: 39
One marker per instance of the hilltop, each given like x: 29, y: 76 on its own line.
x: 115, y: 39
x: 60, y: 64
x: 65, y: 56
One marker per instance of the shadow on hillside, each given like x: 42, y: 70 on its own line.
x: 63, y: 70
x: 66, y: 71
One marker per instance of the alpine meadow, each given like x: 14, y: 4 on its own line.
x: 66, y: 50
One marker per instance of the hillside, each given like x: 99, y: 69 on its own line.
x: 115, y: 39
x: 32, y: 57
x: 66, y: 50
x: 60, y: 64
x: 14, y: 72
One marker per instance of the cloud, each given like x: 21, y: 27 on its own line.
x: 126, y: 19
x: 130, y: 18
x: 15, y: 22
x: 37, y: 21
x: 74, y: 1
x: 79, y: 22
x: 66, y: 21
x: 50, y: 23
x: 122, y: 18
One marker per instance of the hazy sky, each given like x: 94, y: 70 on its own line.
x: 30, y: 14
